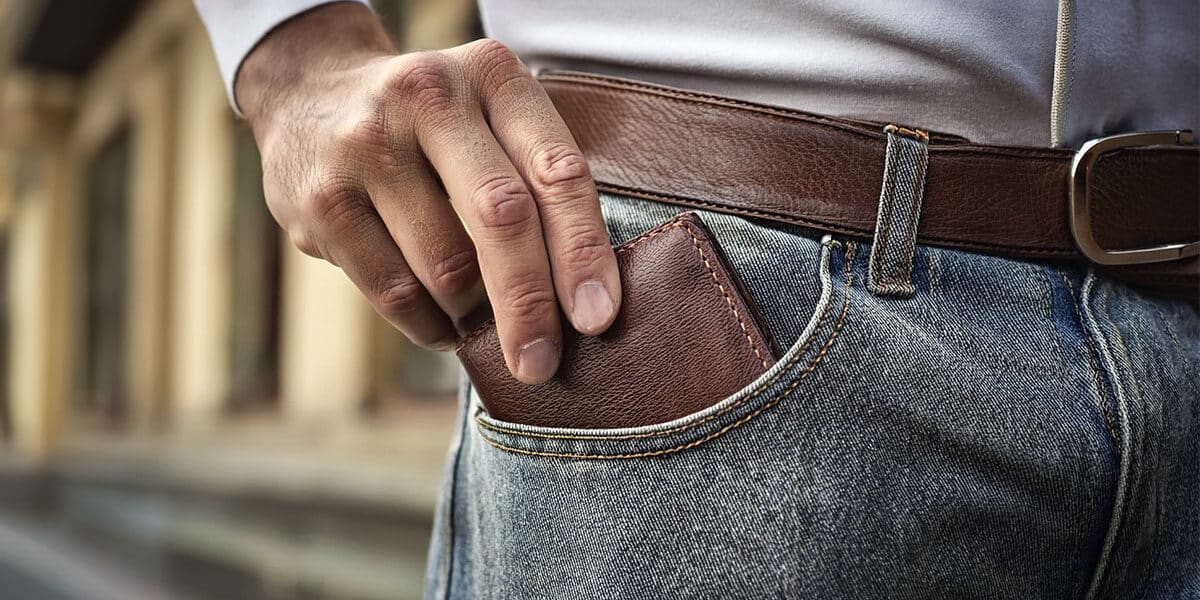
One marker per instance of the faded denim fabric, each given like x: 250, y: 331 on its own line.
x: 1011, y: 429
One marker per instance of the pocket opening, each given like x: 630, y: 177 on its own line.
x: 773, y: 386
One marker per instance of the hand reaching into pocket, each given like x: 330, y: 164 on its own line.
x: 431, y: 179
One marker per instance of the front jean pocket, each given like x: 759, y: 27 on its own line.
x: 686, y: 336
x: 740, y: 409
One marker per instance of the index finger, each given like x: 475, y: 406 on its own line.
x: 501, y: 217
x: 539, y: 144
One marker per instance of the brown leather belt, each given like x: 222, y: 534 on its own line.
x: 726, y: 155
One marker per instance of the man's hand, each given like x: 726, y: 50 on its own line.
x: 361, y: 148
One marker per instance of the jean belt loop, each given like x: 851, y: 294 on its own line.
x: 890, y: 271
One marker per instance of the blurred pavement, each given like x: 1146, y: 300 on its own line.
x: 37, y: 563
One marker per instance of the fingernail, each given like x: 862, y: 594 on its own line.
x: 537, y: 361
x: 593, y: 307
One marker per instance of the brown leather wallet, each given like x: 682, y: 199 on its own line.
x: 687, y: 335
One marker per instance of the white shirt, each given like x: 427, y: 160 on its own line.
x: 984, y: 70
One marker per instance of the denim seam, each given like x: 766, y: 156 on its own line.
x: 1158, y: 518
x: 1162, y: 504
x: 1170, y: 331
x: 1142, y: 441
x: 446, y: 573
x: 932, y: 271
x: 1102, y: 404
x: 883, y: 232
x: 892, y: 283
x: 636, y: 192
x: 771, y: 403
x: 634, y: 436
x: 1124, y: 464
x: 914, y: 214
x: 1097, y: 380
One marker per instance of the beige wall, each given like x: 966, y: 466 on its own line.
x: 36, y: 273
x: 200, y: 269
x: 160, y: 80
x: 316, y: 443
x: 41, y: 180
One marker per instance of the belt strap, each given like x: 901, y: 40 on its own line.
x: 822, y: 172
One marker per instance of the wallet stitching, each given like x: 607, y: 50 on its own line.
x: 683, y: 223
x: 678, y: 222
x: 672, y: 224
x: 728, y: 299
x: 807, y: 371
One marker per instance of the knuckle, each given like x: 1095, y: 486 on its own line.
x: 586, y: 251
x: 504, y: 205
x: 334, y: 202
x: 399, y: 297
x: 376, y: 141
x: 368, y: 135
x: 493, y: 56
x: 560, y: 167
x: 425, y: 78
x: 454, y: 274
x: 530, y: 300
x: 497, y: 64
x: 305, y: 242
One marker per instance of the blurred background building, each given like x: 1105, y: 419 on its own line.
x: 189, y: 408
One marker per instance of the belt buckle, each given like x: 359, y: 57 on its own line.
x: 1081, y: 176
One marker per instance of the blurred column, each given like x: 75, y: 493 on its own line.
x: 326, y: 339
x: 201, y: 259
x: 148, y: 244
x: 36, y: 115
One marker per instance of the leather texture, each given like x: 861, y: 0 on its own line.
x: 687, y: 335
x: 726, y: 155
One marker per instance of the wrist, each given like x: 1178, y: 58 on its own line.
x: 296, y: 54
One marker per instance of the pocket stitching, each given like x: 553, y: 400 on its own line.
x: 850, y: 248
x: 774, y: 401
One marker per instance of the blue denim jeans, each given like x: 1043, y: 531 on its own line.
x: 1004, y: 429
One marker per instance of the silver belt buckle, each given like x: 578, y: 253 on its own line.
x: 1081, y: 178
